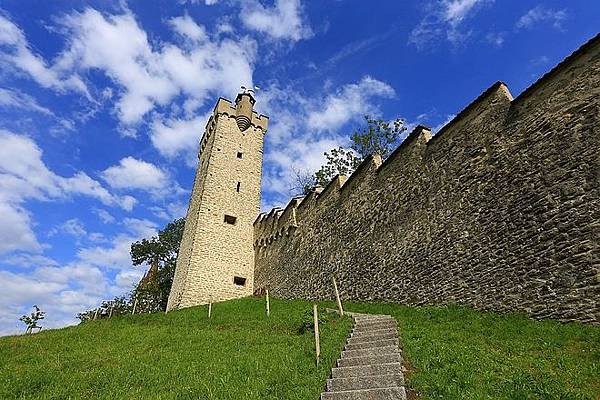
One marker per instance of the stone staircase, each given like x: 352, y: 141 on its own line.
x: 370, y: 367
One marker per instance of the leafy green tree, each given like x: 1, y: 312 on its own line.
x: 377, y: 137
x: 160, y: 252
x: 152, y: 292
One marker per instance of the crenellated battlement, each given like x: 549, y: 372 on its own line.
x: 497, y: 211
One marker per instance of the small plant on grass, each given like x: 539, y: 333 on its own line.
x: 32, y: 320
x: 308, y: 321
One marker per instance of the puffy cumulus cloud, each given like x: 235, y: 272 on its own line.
x: 284, y: 20
x: 152, y: 75
x: 541, y: 15
x: 23, y: 175
x: 445, y: 19
x: 132, y: 173
x: 174, y: 137
x: 350, y: 102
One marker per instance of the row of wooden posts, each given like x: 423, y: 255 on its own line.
x: 268, y: 307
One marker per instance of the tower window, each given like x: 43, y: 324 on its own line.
x: 239, y: 154
x: 238, y: 280
x: 237, y: 188
x: 230, y: 219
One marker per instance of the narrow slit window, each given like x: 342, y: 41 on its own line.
x: 238, y: 280
x: 237, y: 188
x: 239, y: 154
x: 230, y: 219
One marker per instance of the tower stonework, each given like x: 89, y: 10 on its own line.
x: 216, y: 257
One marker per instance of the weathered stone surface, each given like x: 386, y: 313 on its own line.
x: 369, y: 382
x: 397, y: 393
x: 212, y: 251
x: 499, y: 211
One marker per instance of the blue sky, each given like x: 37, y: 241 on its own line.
x: 102, y: 106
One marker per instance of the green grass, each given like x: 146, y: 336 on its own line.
x: 238, y: 354
x: 459, y: 353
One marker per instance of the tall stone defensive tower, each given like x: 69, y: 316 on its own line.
x: 216, y: 256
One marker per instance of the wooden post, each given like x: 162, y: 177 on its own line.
x: 112, y: 306
x: 317, y: 344
x: 337, y: 296
x: 268, y: 305
x: 209, y: 308
x: 96, y: 314
x: 134, y: 306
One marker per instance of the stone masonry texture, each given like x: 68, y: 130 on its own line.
x: 213, y: 252
x: 498, y: 211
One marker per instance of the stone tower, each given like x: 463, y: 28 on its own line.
x: 216, y: 256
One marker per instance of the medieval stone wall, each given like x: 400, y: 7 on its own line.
x: 499, y: 211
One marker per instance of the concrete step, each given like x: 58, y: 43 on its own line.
x: 372, y: 337
x: 397, y: 393
x: 374, y: 351
x: 375, y: 325
x: 366, y: 370
x: 356, y: 333
x: 368, y: 345
x: 366, y: 382
x: 369, y: 360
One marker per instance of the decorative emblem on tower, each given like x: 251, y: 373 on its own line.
x: 244, y: 102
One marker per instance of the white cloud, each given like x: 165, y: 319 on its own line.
x: 539, y: 15
x: 151, y: 76
x: 186, y: 27
x: 15, y: 230
x: 307, y: 126
x: 174, y: 137
x: 23, y: 175
x: 351, y: 102
x: 15, y: 53
x: 132, y: 173
x: 495, y: 38
x: 104, y: 215
x: 73, y: 227
x: 444, y: 20
x: 282, y: 21
x: 10, y: 98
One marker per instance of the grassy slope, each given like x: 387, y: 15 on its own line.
x: 460, y: 353
x: 239, y: 354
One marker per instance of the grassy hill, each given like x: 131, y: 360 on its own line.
x: 456, y: 353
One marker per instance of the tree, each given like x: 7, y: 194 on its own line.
x: 378, y: 137
x: 160, y: 253
x: 304, y: 181
x: 32, y: 320
x: 152, y: 292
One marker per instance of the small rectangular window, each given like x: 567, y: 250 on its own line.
x: 238, y: 280
x: 238, y: 186
x: 230, y: 219
x: 239, y: 155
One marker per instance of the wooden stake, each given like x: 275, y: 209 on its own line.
x: 134, y: 306
x: 209, y: 308
x: 317, y: 344
x: 268, y: 305
x: 112, y: 306
x: 337, y: 296
x: 96, y: 314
